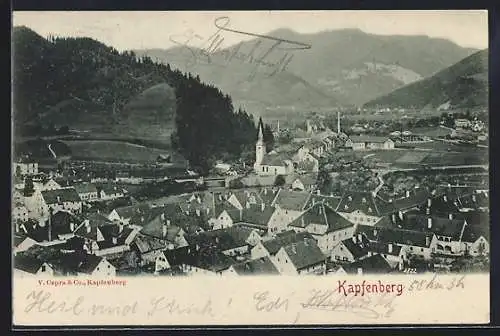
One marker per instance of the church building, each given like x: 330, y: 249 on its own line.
x: 271, y: 163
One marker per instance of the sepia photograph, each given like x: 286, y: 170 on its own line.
x: 345, y: 147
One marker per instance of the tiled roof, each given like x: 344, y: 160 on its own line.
x: 322, y: 215
x: 223, y: 239
x: 84, y: 188
x: 128, y: 211
x: 397, y: 236
x: 88, y: 263
x: 261, y: 266
x: 440, y: 226
x: 60, y: 195
x: 110, y: 189
x: 27, y: 263
x: 274, y: 160
x: 382, y: 248
x: 268, y: 194
x: 147, y: 244
x: 365, y: 202
x: 292, y: 200
x: 359, y: 139
x: 212, y: 260
x: 304, y: 254
x: 274, y: 245
x: 358, y: 249
x: 330, y: 201
x: 375, y: 264
x: 416, y: 198
x: 256, y: 215
x: 478, y: 224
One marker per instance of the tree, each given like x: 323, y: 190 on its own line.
x: 324, y: 181
x: 29, y: 187
x: 279, y: 181
x: 268, y: 138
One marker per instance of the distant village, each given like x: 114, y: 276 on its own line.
x: 277, y: 221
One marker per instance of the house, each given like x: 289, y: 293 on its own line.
x: 226, y: 215
x: 147, y: 249
x: 448, y: 232
x: 64, y: 199
x: 22, y: 243
x: 257, y: 216
x: 27, y: 266
x: 20, y: 213
x: 57, y: 228
x: 303, y: 257
x: 95, y: 266
x: 476, y: 235
x: 270, y: 247
x: 91, y: 230
x: 124, y: 214
x: 117, y: 239
x: 462, y: 123
x: 255, y: 267
x: 325, y: 225
x: 376, y: 264
x: 418, y: 244
x: 350, y: 250
x: 25, y: 166
x: 395, y: 255
x: 86, y: 191
x: 289, y: 206
x: 208, y: 262
x: 271, y: 163
x: 363, y: 208
x: 168, y: 260
x: 50, y: 184
x: 234, y: 241
x: 369, y: 142
x: 109, y: 191
x: 305, y: 182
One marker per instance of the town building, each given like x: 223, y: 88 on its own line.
x: 299, y: 258
x: 369, y: 142
x: 25, y: 167
x: 87, y: 192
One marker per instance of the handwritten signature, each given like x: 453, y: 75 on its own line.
x: 203, y: 51
x: 367, y: 306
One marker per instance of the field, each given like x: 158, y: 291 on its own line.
x: 113, y: 151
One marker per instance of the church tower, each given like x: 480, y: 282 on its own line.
x: 260, y: 146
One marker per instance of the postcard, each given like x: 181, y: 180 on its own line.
x: 250, y: 168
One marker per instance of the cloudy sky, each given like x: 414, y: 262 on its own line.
x: 138, y: 30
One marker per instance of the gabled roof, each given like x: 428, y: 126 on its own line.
x: 261, y: 266
x: 222, y: 240
x: 147, y: 244
x: 88, y: 263
x: 478, y: 224
x: 27, y: 263
x: 330, y: 201
x: 256, y: 215
x: 127, y: 212
x: 274, y: 160
x: 439, y: 225
x: 358, y: 249
x: 61, y: 222
x: 268, y: 194
x: 376, y: 264
x: 416, y: 198
x: 292, y: 200
x: 397, y: 236
x: 113, y: 231
x: 60, y: 195
x: 322, y: 215
x: 359, y: 139
x: 110, y: 189
x: 365, y: 202
x: 304, y: 254
x: 84, y: 188
x: 383, y: 248
x: 212, y: 260
x: 274, y: 245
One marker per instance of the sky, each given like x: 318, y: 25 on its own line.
x: 144, y: 30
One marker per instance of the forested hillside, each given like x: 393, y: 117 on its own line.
x: 81, y: 83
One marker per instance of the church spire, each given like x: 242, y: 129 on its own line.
x: 261, y: 131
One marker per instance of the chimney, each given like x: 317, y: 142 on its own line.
x: 17, y: 226
x: 208, y: 211
x: 429, y: 222
x: 450, y: 216
x: 265, y: 191
x: 400, y: 215
x: 162, y: 216
x: 198, y: 213
x: 318, y: 192
x: 390, y: 247
x: 58, y: 199
x: 354, y: 239
x: 427, y: 241
x: 445, y: 198
x: 360, y: 237
x: 375, y: 232
x: 168, y: 222
x: 314, y: 201
x: 164, y: 230
x: 363, y: 200
x: 407, y: 193
x: 393, y: 218
x: 429, y: 202
x: 248, y: 205
x: 87, y: 226
x: 360, y: 271
x: 72, y: 226
x: 320, y: 210
x: 474, y: 198
x: 428, y: 211
x: 120, y: 228
x: 263, y: 206
x: 115, y: 240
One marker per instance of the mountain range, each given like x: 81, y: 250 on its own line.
x: 462, y: 85
x: 341, y: 68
